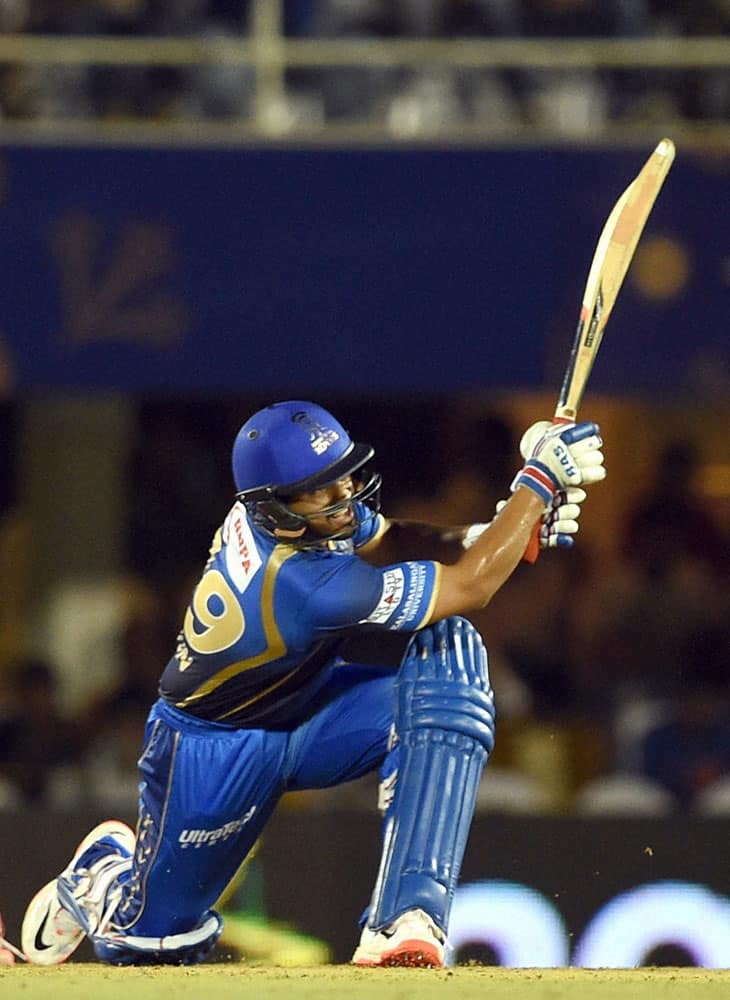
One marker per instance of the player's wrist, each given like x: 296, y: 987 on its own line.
x: 537, y: 477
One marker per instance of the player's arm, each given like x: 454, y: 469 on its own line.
x: 559, y: 458
x: 397, y: 540
x: 471, y: 582
x: 403, y: 539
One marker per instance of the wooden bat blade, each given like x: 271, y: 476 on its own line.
x: 614, y: 251
x: 611, y: 259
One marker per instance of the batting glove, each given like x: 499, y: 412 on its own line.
x: 560, y: 456
x: 560, y: 521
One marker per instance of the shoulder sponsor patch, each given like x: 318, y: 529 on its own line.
x: 242, y: 557
x: 416, y: 589
x: 390, y: 597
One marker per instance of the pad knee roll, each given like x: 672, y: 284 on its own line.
x: 444, y: 683
x: 445, y: 721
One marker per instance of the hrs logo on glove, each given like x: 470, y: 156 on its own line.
x: 560, y: 456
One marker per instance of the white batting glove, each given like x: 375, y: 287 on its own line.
x: 591, y: 474
x: 560, y: 456
x: 560, y: 521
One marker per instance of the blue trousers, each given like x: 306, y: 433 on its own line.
x: 208, y: 790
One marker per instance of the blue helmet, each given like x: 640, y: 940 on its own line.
x: 296, y: 447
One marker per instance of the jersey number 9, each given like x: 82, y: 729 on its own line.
x: 215, y: 607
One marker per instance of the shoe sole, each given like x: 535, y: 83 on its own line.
x: 50, y: 954
x: 408, y: 954
x: 109, y: 827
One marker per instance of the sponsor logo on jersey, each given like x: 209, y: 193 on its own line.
x: 390, y: 596
x: 414, y: 598
x: 208, y: 838
x: 242, y: 557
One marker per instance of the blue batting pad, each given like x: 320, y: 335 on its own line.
x: 445, y: 722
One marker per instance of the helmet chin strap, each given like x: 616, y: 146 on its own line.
x: 289, y: 535
x: 307, y: 537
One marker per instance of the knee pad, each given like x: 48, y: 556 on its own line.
x: 444, y: 717
x: 176, y: 949
x: 444, y: 684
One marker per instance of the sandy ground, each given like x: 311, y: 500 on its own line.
x: 79, y: 981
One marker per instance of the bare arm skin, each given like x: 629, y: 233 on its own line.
x: 471, y: 577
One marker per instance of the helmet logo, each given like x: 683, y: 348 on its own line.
x: 320, y: 437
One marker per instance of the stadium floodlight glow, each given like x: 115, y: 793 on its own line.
x: 627, y: 929
x: 524, y: 928
x: 519, y: 923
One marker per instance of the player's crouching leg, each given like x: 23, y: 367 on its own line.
x: 83, y: 900
x: 177, y: 949
x: 444, y: 718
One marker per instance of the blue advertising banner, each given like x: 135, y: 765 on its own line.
x: 362, y: 270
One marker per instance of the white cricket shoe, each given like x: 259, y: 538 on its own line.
x: 413, y: 940
x: 75, y: 904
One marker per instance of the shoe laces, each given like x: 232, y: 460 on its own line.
x: 93, y: 892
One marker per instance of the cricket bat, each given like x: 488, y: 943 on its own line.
x: 614, y: 251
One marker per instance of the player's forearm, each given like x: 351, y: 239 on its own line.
x: 481, y: 570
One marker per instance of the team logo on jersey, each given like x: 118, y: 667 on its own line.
x: 390, y: 596
x: 242, y: 557
x: 320, y: 437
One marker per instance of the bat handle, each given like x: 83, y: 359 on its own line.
x: 533, y: 546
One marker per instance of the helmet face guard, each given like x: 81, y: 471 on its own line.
x: 271, y: 511
x: 298, y: 447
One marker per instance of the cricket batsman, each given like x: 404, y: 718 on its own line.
x: 322, y: 642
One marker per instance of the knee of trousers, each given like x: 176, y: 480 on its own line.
x: 443, y: 684
x: 177, y: 949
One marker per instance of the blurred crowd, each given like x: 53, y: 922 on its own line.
x: 400, y: 98
x: 611, y: 667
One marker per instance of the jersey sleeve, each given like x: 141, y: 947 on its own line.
x: 400, y: 597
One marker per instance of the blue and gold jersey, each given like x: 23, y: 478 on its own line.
x: 266, y: 617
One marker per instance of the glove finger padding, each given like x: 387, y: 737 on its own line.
x: 587, y: 453
x: 568, y: 512
x: 560, y: 522
x: 572, y: 496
